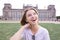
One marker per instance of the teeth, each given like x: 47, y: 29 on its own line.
x: 33, y: 20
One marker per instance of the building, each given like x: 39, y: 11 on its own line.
x: 16, y: 14
x: 58, y: 18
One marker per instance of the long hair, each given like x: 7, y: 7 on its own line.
x: 23, y: 20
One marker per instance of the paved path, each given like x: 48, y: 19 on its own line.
x: 56, y: 22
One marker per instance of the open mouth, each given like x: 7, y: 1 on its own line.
x: 34, y: 20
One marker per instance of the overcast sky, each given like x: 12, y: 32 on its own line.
x: 42, y: 4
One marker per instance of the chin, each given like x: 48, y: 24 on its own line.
x: 34, y: 23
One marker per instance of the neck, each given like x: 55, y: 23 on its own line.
x: 34, y: 28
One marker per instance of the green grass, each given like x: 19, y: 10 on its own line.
x: 54, y: 30
x: 8, y: 29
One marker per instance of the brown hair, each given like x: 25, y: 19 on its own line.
x: 23, y: 20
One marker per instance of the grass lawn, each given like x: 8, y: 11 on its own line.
x: 8, y: 29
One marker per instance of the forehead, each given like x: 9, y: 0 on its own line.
x: 30, y: 11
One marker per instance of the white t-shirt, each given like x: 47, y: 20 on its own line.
x: 42, y: 34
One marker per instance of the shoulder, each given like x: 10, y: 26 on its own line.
x: 25, y: 30
x: 43, y: 30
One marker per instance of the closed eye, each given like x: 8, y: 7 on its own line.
x: 34, y: 13
x: 29, y: 15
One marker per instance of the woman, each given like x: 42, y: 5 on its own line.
x: 30, y: 29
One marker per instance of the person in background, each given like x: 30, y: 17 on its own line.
x: 31, y: 30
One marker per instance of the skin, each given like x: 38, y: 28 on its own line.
x: 32, y: 19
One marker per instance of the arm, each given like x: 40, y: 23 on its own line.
x: 17, y: 35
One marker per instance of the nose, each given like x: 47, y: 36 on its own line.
x: 33, y: 16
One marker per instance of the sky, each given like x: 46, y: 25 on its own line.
x: 42, y: 4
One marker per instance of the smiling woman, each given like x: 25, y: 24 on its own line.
x: 30, y: 29
x: 29, y: 16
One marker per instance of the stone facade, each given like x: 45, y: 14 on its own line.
x: 16, y: 14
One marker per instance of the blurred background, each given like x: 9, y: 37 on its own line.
x: 11, y: 12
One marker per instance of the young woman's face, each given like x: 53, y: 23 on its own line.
x: 31, y: 17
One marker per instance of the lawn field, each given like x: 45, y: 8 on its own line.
x: 8, y: 29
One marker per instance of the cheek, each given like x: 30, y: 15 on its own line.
x: 36, y: 16
x: 28, y: 19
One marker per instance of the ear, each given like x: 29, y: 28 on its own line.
x: 26, y: 20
